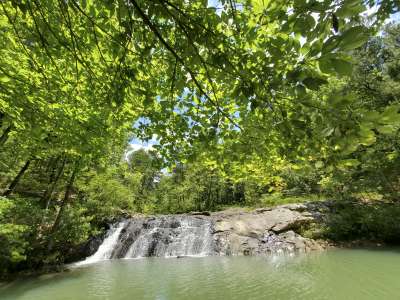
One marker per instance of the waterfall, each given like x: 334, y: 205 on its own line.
x: 164, y: 236
x: 106, y: 248
x: 261, y: 232
x: 168, y: 237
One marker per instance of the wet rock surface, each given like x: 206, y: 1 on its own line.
x: 231, y: 232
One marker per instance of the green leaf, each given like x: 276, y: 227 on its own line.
x: 325, y: 65
x: 353, y: 38
x: 350, y: 8
x: 367, y: 136
x: 391, y: 115
x: 331, y: 44
x: 329, y: 64
x: 348, y: 163
x: 351, y: 146
x: 327, y: 131
x: 319, y: 164
x: 387, y: 129
x: 342, y: 67
x: 4, y: 78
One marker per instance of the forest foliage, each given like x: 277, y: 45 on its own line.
x: 252, y: 103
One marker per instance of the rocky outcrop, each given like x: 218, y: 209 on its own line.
x: 230, y: 232
x: 264, y: 231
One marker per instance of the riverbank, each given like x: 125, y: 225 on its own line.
x: 289, y: 228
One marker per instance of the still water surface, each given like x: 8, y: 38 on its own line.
x: 335, y: 274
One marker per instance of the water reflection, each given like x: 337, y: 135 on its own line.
x: 339, y: 274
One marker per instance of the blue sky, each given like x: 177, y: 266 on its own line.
x: 213, y: 3
x: 395, y: 17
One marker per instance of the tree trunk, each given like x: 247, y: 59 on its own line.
x: 17, y: 178
x: 4, y: 136
x: 64, y: 202
x: 46, y: 198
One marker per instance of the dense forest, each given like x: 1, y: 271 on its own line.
x: 252, y: 103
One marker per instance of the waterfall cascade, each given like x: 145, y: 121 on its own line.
x: 165, y: 236
x: 261, y: 232
x: 105, y: 250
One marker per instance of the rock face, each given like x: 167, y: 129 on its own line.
x: 231, y: 232
x: 263, y: 231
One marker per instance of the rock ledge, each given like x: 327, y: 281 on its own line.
x: 263, y: 231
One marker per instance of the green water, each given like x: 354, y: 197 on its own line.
x: 336, y: 274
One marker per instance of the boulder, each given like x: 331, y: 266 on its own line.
x: 263, y: 231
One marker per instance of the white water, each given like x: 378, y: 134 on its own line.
x: 161, y: 238
x: 106, y: 248
x: 167, y: 236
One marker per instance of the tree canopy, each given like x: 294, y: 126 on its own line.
x: 249, y: 100
x: 76, y: 72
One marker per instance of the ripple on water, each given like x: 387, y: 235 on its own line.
x: 338, y: 274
